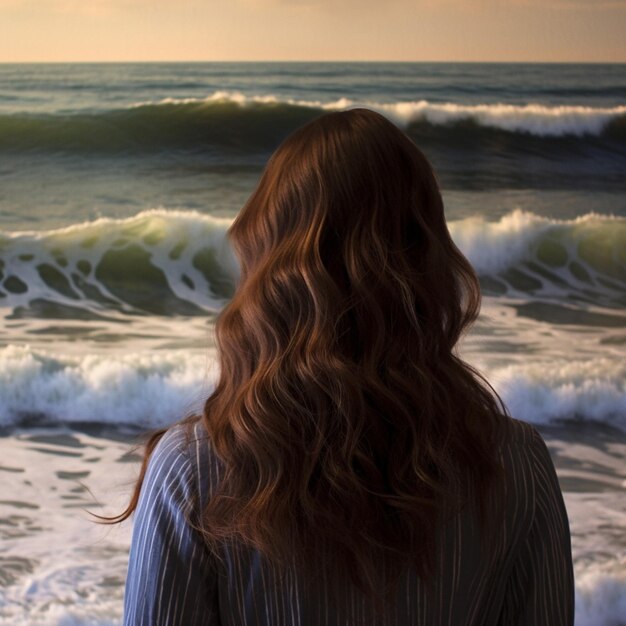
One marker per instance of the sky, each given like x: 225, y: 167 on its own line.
x: 313, y: 30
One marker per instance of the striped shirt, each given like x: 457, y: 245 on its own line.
x: 523, y: 576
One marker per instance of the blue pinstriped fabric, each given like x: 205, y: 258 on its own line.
x: 524, y: 576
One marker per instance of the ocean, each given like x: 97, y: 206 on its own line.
x: 117, y: 185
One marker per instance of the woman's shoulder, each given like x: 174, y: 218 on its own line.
x: 522, y: 437
x: 183, y: 449
x: 188, y: 443
x: 519, y: 432
x: 187, y: 436
x: 190, y: 438
x: 525, y: 453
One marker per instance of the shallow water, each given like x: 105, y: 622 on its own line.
x: 58, y: 566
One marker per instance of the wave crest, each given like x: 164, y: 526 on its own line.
x: 167, y: 262
x: 237, y: 122
x: 536, y: 119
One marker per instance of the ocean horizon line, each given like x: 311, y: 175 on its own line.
x: 310, y: 61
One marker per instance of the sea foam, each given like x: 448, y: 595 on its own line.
x: 147, y: 389
x: 155, y: 388
x: 545, y: 391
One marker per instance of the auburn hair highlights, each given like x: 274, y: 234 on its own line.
x: 348, y: 426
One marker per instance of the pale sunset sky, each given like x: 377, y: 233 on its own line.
x: 313, y: 30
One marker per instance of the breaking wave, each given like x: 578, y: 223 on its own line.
x: 166, y: 262
x: 233, y: 121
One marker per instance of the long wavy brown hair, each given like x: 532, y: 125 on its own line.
x: 348, y: 426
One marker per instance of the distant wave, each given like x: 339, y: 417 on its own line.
x: 230, y: 120
x: 536, y: 119
x: 165, y: 262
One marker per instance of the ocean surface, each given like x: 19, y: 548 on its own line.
x: 117, y: 185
